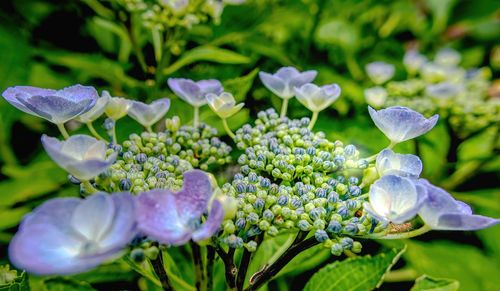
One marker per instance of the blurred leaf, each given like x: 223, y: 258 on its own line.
x: 64, y: 284
x: 306, y: 260
x: 433, y: 151
x: 360, y: 273
x: 426, y: 283
x: 473, y: 269
x: 11, y: 281
x: 114, y: 272
x: 11, y: 217
x: 240, y: 86
x: 441, y: 10
x: 207, y: 53
x: 338, y: 32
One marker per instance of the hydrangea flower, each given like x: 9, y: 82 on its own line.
x: 224, y: 105
x: 447, y: 57
x: 149, y: 114
x: 379, y: 72
x: 56, y: 106
x: 194, y: 92
x: 285, y: 79
x: 69, y: 235
x: 444, y: 90
x: 96, y: 111
x: 413, y: 61
x: 82, y: 156
x: 441, y: 211
x: 400, y: 123
x: 394, y: 199
x: 391, y: 163
x: 174, y: 218
x: 317, y: 98
x: 117, y: 107
x: 376, y: 96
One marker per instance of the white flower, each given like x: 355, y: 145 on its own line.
x: 117, y: 106
x: 223, y: 105
x: 82, y: 156
x: 317, y: 98
x: 390, y: 163
x: 149, y: 114
x: 447, y: 57
x: 413, y: 61
x: 376, y: 96
x: 379, y: 72
x: 444, y: 90
x: 400, y: 123
x: 96, y: 111
x: 394, y: 199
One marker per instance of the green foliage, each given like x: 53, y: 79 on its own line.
x: 426, y: 283
x: 10, y: 280
x: 360, y: 273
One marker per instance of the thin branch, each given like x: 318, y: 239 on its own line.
x: 229, y: 266
x: 161, y: 273
x: 245, y: 262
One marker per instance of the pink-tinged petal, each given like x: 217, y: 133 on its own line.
x: 159, y: 218
x: 94, y: 216
x: 212, y: 224
x: 193, y: 198
x: 124, y: 226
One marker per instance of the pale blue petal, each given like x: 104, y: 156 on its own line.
x: 187, y: 90
x: 390, y: 163
x: 192, y: 200
x: 94, y: 216
x: 274, y: 84
x: 212, y: 224
x: 147, y: 115
x: 210, y: 86
x: 123, y: 228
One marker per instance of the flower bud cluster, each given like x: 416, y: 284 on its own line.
x: 294, y: 179
x: 442, y: 86
x: 158, y: 160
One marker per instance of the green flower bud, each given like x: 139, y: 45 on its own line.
x: 356, y: 247
x: 152, y: 252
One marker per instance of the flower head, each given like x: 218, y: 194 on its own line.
x: 400, y: 123
x: 394, y: 199
x: 224, y: 105
x: 70, y: 235
x: 56, y: 106
x: 96, y: 111
x: 444, y: 90
x: 391, y: 163
x: 441, y: 211
x: 379, y: 72
x: 317, y: 98
x: 82, y: 156
x: 194, y: 92
x: 376, y: 96
x: 117, y: 106
x: 447, y: 57
x: 174, y: 218
x: 285, y: 79
x: 413, y: 61
x: 149, y: 114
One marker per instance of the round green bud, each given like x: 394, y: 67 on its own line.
x: 264, y: 225
x: 152, y: 252
x: 356, y: 247
x: 273, y: 231
x: 319, y: 224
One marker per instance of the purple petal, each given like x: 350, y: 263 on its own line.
x: 12, y: 95
x: 187, y: 90
x: 193, y: 198
x: 400, y: 123
x: 57, y: 212
x: 210, y: 86
x: 458, y: 221
x: 303, y: 78
x: 274, y: 84
x: 148, y: 115
x: 159, y: 218
x: 79, y: 93
x: 287, y: 73
x: 94, y: 216
x: 123, y: 229
x: 212, y: 224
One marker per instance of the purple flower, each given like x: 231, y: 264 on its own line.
x: 149, y: 114
x: 56, y: 106
x: 391, y: 163
x: 96, y: 111
x: 400, y: 123
x: 285, y: 79
x: 317, y: 98
x: 174, y: 218
x: 194, y: 92
x: 82, y: 156
x: 394, y: 199
x: 71, y: 235
x: 441, y: 211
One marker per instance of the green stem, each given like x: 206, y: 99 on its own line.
x: 135, y: 44
x: 284, y: 107
x: 374, y: 157
x: 402, y: 275
x: 63, y: 131
x: 196, y: 116
x: 313, y: 120
x: 93, y: 131
x: 227, y: 129
x: 88, y: 187
x: 149, y: 128
x: 403, y: 235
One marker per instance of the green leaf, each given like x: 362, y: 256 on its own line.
x: 11, y: 217
x: 340, y: 33
x: 64, y: 284
x: 10, y: 280
x: 209, y: 54
x: 305, y: 261
x: 361, y: 273
x: 426, y: 283
x: 467, y: 264
x: 118, y: 271
x: 240, y: 86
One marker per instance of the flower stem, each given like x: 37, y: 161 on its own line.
x: 229, y: 266
x: 210, y: 266
x: 313, y: 119
x: 196, y: 116
x: 268, y: 272
x: 63, y: 131
x: 403, y: 235
x: 161, y: 273
x: 198, y: 267
x: 93, y: 131
x: 149, y: 128
x: 88, y: 187
x: 284, y: 107
x: 401, y: 275
x: 245, y: 262
x: 227, y: 129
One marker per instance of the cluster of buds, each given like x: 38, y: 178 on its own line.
x: 438, y: 86
x: 294, y: 179
x: 158, y: 160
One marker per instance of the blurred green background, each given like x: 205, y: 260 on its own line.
x: 123, y: 47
